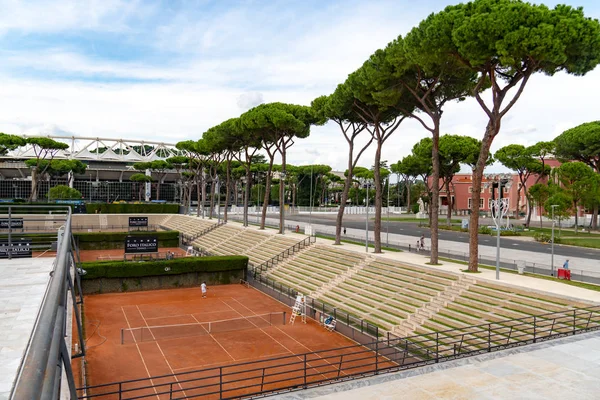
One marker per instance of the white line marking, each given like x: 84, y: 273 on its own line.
x: 140, y: 353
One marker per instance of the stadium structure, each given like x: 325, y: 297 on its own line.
x: 109, y: 166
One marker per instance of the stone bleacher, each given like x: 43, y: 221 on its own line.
x: 402, y: 299
x: 189, y: 226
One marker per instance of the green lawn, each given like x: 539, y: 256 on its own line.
x: 412, y: 219
x: 582, y: 242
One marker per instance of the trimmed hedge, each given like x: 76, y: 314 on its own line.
x: 178, y: 266
x: 127, y: 208
x: 116, y: 240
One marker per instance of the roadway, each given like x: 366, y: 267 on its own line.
x: 413, y: 229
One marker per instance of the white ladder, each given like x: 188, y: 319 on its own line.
x: 299, y: 309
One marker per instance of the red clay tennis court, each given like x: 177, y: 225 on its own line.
x: 175, y: 344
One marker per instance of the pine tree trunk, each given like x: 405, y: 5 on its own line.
x: 227, y: 188
x: 263, y: 217
x: 595, y: 217
x: 378, y: 198
x: 347, y: 184
x: 476, y: 195
x: 34, y: 185
x: 434, y: 201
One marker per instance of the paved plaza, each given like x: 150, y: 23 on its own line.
x: 567, y: 368
x: 23, y: 284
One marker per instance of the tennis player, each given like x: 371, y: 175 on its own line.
x: 203, y: 288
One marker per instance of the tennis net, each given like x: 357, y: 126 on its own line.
x: 162, y: 332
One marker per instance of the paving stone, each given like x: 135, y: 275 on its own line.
x: 23, y: 283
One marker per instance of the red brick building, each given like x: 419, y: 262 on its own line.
x: 461, y: 189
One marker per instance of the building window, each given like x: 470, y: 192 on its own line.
x: 480, y: 203
x: 470, y: 189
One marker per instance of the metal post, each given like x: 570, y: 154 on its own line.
x: 9, y: 233
x: 367, y: 220
x: 387, y: 239
x: 499, y: 219
x: 310, y: 201
x: 552, y: 241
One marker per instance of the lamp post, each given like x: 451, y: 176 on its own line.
x: 387, y: 238
x: 282, y: 206
x: 553, y: 206
x: 367, y: 182
x: 499, y: 209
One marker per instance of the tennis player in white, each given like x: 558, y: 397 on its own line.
x: 203, y: 288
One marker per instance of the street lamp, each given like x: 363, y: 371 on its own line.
x: 499, y: 209
x: 367, y: 182
x: 553, y: 206
x: 282, y: 206
x: 387, y: 238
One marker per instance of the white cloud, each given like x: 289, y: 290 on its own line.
x: 213, y: 67
x: 62, y: 15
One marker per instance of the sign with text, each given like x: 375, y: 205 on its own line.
x: 21, y: 248
x: 15, y: 223
x: 138, y: 221
x: 141, y: 244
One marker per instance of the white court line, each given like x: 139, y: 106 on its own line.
x: 161, y: 352
x: 183, y: 315
x: 277, y: 341
x: 294, y: 339
x: 203, y: 366
x: 140, y: 353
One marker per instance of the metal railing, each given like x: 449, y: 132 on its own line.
x: 390, y: 354
x: 257, y: 269
x: 47, y: 355
x: 350, y: 325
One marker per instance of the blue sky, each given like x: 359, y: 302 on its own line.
x: 170, y: 70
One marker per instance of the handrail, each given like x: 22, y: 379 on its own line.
x: 191, y: 238
x: 264, y: 266
x: 47, y: 353
x: 390, y: 354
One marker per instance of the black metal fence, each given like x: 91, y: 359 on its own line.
x: 390, y: 354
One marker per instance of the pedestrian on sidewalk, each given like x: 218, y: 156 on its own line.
x: 422, y: 242
x: 418, y: 245
x: 566, y: 265
x: 344, y: 230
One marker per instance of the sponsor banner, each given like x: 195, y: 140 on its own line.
x: 15, y: 223
x: 138, y: 221
x: 141, y: 244
x: 21, y: 248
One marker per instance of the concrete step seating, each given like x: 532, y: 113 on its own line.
x: 215, y: 237
x: 440, y: 278
x: 380, y: 304
x: 358, y: 310
x: 415, y: 285
x: 241, y: 242
x: 488, y: 303
x: 188, y: 225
